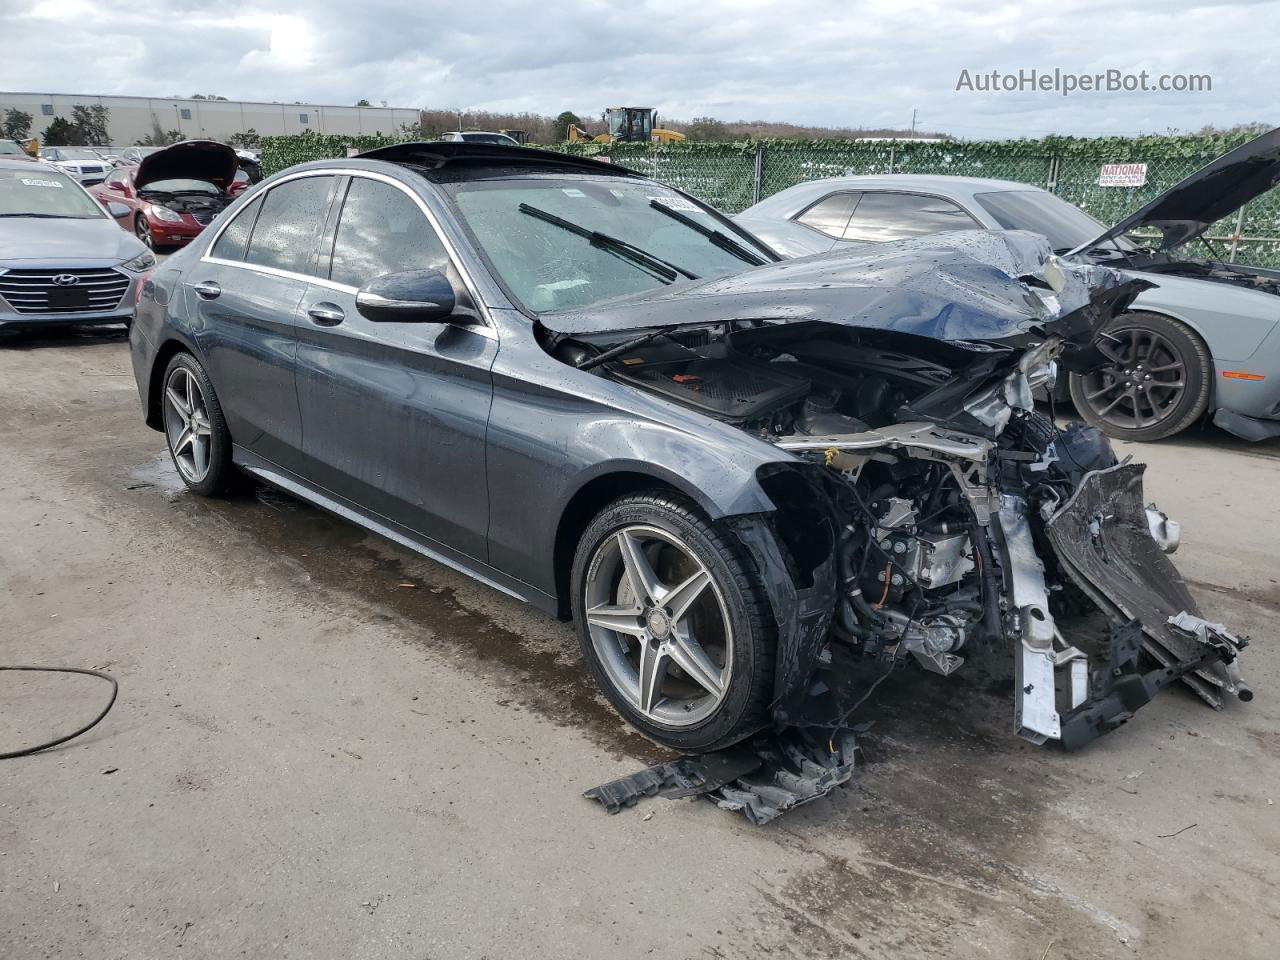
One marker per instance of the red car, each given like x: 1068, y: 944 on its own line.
x: 173, y: 193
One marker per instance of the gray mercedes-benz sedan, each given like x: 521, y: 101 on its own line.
x: 734, y: 473
x: 63, y: 259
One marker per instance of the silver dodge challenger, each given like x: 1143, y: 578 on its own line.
x: 1203, y: 342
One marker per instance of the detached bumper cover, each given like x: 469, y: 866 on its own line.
x: 1103, y: 538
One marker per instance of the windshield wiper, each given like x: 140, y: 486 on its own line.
x: 721, y: 240
x: 623, y: 249
x: 45, y: 216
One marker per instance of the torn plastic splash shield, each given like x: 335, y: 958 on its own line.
x: 763, y: 779
x: 1103, y: 538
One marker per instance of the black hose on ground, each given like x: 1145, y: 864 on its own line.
x: 115, y: 688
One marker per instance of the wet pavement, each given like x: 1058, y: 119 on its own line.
x: 326, y: 746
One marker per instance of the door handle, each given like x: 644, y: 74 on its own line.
x: 326, y: 314
x: 208, y: 290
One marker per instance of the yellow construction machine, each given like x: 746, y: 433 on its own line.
x: 628, y: 125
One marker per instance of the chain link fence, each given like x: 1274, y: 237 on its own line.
x: 733, y: 176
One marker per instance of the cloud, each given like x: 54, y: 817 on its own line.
x: 865, y: 63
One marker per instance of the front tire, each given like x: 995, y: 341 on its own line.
x: 673, y: 622
x: 142, y: 230
x: 1157, y: 383
x: 195, y: 430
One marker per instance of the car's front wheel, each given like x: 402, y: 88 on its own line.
x: 673, y: 622
x: 194, y: 428
x: 142, y: 230
x: 1156, y: 384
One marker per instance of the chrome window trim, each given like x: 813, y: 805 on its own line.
x: 487, y: 329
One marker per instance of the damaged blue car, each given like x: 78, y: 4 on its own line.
x: 598, y: 395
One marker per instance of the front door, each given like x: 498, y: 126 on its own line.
x: 394, y: 414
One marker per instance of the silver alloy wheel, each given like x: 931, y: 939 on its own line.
x: 187, y: 425
x: 659, y: 625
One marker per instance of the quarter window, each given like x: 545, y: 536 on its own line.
x: 382, y: 230
x: 291, y: 219
x: 896, y: 216
x: 234, y: 240
x: 830, y: 214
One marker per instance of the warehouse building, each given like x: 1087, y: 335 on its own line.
x: 135, y: 118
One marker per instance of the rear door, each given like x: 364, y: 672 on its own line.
x: 246, y: 296
x: 394, y: 414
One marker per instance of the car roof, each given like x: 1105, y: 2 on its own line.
x: 958, y: 188
x: 23, y: 163
x: 440, y: 160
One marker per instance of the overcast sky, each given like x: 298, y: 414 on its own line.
x: 829, y: 63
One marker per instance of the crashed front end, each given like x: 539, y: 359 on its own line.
x: 971, y: 519
x: 924, y: 507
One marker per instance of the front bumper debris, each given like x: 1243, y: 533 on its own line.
x: 763, y: 778
x: 1103, y: 539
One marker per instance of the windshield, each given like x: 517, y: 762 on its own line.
x: 9, y: 148
x: 1065, y: 225
x: 64, y: 154
x: 550, y: 267
x: 180, y: 186
x: 45, y: 194
x: 489, y: 138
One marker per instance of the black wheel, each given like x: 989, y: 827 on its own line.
x: 143, y: 231
x: 195, y: 430
x: 673, y: 622
x: 1156, y: 385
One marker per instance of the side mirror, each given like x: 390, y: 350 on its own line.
x: 117, y: 210
x: 415, y: 296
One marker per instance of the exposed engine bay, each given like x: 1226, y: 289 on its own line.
x: 204, y: 204
x: 1256, y: 278
x: 948, y: 511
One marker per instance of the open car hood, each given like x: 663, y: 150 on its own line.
x: 1217, y: 190
x: 205, y: 160
x: 967, y: 285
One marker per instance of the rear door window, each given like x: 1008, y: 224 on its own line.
x: 897, y: 216
x: 234, y: 240
x: 830, y: 214
x: 382, y: 230
x: 289, y: 225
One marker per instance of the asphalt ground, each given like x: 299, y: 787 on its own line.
x: 328, y: 747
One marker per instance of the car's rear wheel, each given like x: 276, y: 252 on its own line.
x: 1156, y: 384
x: 673, y: 622
x: 194, y: 428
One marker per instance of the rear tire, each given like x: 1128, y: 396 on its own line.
x: 712, y: 657
x: 195, y: 430
x: 1157, y: 384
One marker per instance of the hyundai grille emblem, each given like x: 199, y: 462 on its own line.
x: 66, y: 279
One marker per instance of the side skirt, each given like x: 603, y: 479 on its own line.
x: 277, y: 476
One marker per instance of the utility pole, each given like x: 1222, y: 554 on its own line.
x: 913, y: 122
